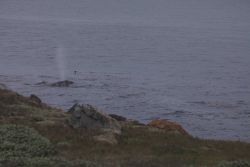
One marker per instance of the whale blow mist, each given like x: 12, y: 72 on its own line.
x: 61, y: 62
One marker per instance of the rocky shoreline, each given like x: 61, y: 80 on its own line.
x: 86, y: 136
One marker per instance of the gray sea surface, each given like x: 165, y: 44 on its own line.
x: 184, y: 60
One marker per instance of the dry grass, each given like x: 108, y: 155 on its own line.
x: 137, y: 146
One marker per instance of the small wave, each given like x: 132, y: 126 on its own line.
x: 87, y: 86
x: 46, y: 77
x: 132, y: 95
x: 217, y: 104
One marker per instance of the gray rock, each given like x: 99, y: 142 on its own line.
x: 86, y: 116
x: 35, y: 99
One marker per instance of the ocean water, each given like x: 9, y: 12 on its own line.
x: 185, y: 60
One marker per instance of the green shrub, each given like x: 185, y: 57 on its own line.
x: 238, y: 163
x: 21, y: 146
x: 44, y: 162
x: 22, y: 141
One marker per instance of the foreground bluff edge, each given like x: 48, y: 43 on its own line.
x: 110, y: 126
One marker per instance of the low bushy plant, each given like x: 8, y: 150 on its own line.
x: 22, y: 141
x: 45, y: 162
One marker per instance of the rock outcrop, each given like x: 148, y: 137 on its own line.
x: 35, y: 99
x: 167, y: 125
x: 88, y: 117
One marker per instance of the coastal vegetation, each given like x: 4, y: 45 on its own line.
x: 33, y: 134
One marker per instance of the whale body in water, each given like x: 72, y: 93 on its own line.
x: 65, y: 83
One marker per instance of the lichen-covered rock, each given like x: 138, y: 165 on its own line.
x: 167, y: 126
x: 86, y: 116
